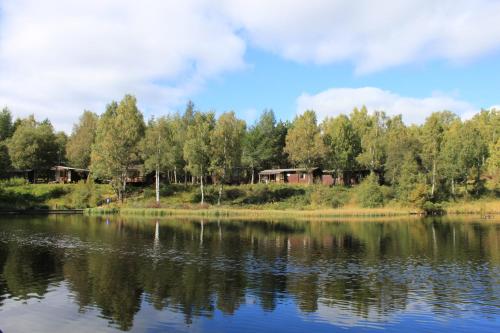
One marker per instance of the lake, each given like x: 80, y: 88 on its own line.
x: 98, y: 274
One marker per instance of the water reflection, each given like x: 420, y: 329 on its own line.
x: 366, y: 274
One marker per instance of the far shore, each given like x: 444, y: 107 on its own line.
x: 482, y: 210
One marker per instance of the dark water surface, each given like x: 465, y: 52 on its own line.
x: 85, y: 274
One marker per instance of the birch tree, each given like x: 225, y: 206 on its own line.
x: 342, y: 144
x: 304, y: 143
x: 432, y: 137
x: 373, y: 142
x: 116, y: 148
x: 226, y: 148
x: 81, y: 140
x: 197, y: 149
x: 157, y: 149
x: 261, y: 144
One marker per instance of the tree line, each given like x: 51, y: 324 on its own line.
x: 442, y: 158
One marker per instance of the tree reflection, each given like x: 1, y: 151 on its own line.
x: 199, y: 267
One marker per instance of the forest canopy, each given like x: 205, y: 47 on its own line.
x: 442, y: 158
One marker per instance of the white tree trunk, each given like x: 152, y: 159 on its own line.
x: 433, y: 177
x: 220, y: 194
x: 175, y: 174
x: 157, y: 185
x: 253, y: 175
x: 202, y: 193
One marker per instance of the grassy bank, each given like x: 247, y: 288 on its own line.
x: 18, y: 195
x: 252, y: 213
x: 258, y: 200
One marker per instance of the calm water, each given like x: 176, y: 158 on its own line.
x: 81, y: 274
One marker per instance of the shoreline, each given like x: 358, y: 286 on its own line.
x: 482, y: 209
x: 285, y: 213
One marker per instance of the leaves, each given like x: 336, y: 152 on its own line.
x: 82, y: 138
x: 304, y: 143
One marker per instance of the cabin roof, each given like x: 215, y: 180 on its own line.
x: 62, y: 167
x: 278, y: 171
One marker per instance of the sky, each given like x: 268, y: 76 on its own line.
x: 412, y: 57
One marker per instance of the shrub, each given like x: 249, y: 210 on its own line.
x: 85, y: 195
x: 13, y: 182
x: 370, y: 194
x: 419, y: 195
x: 323, y: 196
x: 431, y: 208
x: 210, y: 195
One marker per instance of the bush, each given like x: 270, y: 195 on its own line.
x: 333, y: 197
x: 370, y: 194
x: 419, y: 195
x: 210, y: 195
x: 431, y: 208
x: 13, y: 182
x: 85, y: 195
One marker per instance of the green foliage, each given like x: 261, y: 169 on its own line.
x: 116, y: 148
x: 402, y: 145
x: 85, y: 195
x: 79, y: 146
x: 342, y: 142
x: 445, y: 158
x: 370, y: 194
x: 263, y: 144
x: 61, y: 142
x: 328, y: 197
x: 34, y: 145
x: 433, y: 136
x: 11, y: 182
x: 156, y: 144
x: 432, y: 208
x: 304, y: 143
x: 5, y: 163
x: 6, y: 125
x: 41, y: 196
x: 372, y: 137
x: 226, y: 146
x: 197, y: 149
x: 419, y: 195
x: 494, y: 164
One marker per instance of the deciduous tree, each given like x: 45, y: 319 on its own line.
x: 197, y: 148
x: 226, y: 148
x: 33, y: 145
x: 6, y: 125
x: 342, y: 144
x: 156, y: 149
x: 116, y: 148
x: 304, y: 143
x: 81, y: 140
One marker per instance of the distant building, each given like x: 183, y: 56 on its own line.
x: 312, y: 176
x: 292, y: 176
x: 64, y: 174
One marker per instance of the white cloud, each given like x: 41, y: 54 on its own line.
x: 371, y: 35
x: 57, y: 58
x: 333, y: 102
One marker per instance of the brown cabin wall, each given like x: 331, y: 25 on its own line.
x: 295, y: 178
x: 327, y: 180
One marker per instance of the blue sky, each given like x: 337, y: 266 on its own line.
x: 412, y: 57
x: 272, y: 82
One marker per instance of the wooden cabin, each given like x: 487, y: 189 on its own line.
x: 137, y: 175
x: 291, y: 176
x: 64, y: 174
